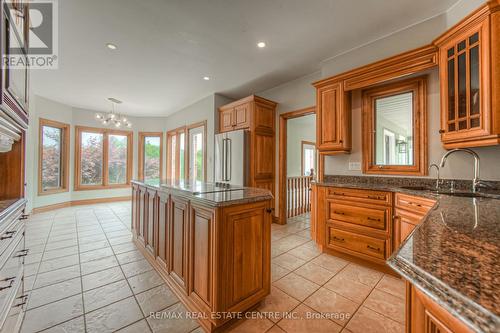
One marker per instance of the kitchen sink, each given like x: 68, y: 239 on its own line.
x: 461, y: 194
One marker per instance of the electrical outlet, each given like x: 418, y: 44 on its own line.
x: 355, y: 166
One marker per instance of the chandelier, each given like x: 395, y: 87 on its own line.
x: 112, y: 117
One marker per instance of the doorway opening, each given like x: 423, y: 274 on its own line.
x: 297, y: 163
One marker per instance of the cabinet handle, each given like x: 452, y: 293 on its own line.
x: 9, y: 234
x: 372, y: 219
x: 11, y: 283
x: 22, y: 253
x: 441, y: 131
x: 24, y: 299
x: 375, y: 197
x: 269, y: 210
x: 340, y: 141
x: 338, y: 213
x: 24, y: 217
x: 414, y: 204
x: 373, y: 248
x: 339, y: 239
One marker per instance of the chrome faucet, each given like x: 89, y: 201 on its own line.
x: 438, y: 180
x: 475, y: 182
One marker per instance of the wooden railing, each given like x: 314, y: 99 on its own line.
x: 298, y: 195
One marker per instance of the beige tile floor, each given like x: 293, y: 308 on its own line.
x: 85, y: 275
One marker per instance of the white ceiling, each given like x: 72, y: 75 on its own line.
x: 165, y: 47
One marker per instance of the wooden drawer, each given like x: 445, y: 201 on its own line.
x: 373, y: 247
x: 369, y: 216
x: 358, y: 195
x: 414, y: 204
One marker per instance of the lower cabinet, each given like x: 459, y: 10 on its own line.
x: 215, y: 259
x: 426, y: 316
x: 179, y: 241
x: 354, y: 221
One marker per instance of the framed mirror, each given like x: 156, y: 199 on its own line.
x: 395, y: 128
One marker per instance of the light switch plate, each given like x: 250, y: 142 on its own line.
x: 355, y: 166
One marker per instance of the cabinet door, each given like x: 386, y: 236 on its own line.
x: 246, y: 237
x: 201, y: 254
x: 226, y: 120
x: 142, y: 215
x: 179, y: 241
x: 163, y: 232
x: 333, y: 119
x: 426, y: 316
x: 242, y: 116
x: 464, y: 76
x: 151, y: 218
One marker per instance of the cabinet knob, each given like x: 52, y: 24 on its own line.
x: 441, y: 131
x: 340, y: 141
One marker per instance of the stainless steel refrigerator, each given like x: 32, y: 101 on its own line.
x: 232, y: 157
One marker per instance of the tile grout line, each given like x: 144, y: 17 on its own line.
x: 126, y: 279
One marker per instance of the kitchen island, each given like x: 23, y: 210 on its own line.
x: 210, y: 244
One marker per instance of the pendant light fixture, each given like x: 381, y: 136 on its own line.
x: 112, y: 117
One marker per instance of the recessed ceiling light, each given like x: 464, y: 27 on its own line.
x: 111, y: 46
x: 206, y: 78
x: 261, y: 44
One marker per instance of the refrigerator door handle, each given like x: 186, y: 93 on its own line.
x: 229, y: 159
x: 223, y: 160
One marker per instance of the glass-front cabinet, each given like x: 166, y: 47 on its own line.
x: 467, y: 59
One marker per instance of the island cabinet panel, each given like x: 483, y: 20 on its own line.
x: 179, y: 241
x: 142, y: 211
x: 201, y: 255
x: 247, y: 248
x: 163, y: 231
x: 426, y: 316
x: 216, y: 259
x: 151, y: 219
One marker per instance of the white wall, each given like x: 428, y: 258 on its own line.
x: 48, y: 109
x: 298, y: 130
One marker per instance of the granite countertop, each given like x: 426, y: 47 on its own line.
x: 209, y: 193
x: 452, y: 256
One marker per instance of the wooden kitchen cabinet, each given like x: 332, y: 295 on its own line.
x: 355, y: 222
x: 408, y: 213
x: 214, y: 258
x: 233, y: 117
x: 469, y: 67
x: 333, y: 118
x: 423, y: 315
x: 178, y: 256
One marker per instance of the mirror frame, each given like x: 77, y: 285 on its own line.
x: 418, y: 86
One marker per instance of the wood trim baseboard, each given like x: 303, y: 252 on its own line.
x: 66, y: 204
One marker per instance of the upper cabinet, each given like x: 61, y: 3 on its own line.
x: 333, y: 118
x: 14, y: 47
x: 469, y: 67
x: 234, y: 117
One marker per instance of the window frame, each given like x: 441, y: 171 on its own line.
x: 302, y: 144
x: 202, y: 124
x: 141, y: 151
x: 105, y: 181
x: 65, y: 137
x: 177, y: 132
x: 418, y: 86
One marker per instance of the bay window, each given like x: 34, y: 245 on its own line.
x: 103, y: 158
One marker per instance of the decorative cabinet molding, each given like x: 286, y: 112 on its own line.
x: 469, y: 70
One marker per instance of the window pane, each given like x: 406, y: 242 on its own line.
x: 152, y: 158
x: 173, y: 145
x: 309, y: 160
x: 196, y: 156
x: 117, y: 164
x: 91, y: 159
x: 394, y: 130
x: 182, y: 150
x: 51, y: 157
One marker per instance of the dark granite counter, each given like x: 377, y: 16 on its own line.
x: 452, y: 256
x: 210, y: 193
